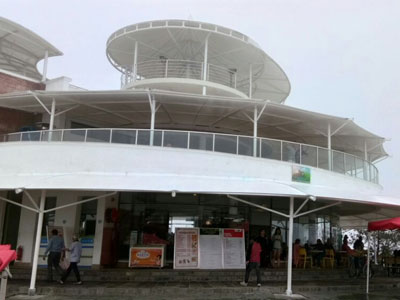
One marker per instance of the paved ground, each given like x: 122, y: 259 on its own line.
x: 393, y: 294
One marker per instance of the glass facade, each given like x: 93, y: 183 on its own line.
x: 161, y: 213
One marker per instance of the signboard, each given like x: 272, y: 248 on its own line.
x: 301, y: 174
x: 186, y: 254
x: 146, y: 257
x: 211, y: 252
x: 234, y: 249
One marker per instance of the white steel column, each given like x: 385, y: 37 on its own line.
x: 329, y: 147
x: 251, y: 82
x: 46, y: 58
x: 255, y: 129
x: 205, y: 64
x: 290, y: 249
x: 135, y: 62
x: 32, y: 288
x: 152, y: 121
x: 52, y: 114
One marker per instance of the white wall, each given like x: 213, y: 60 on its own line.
x: 27, y: 228
x: 98, y: 166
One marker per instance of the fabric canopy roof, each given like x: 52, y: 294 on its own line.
x: 130, y: 109
x: 389, y: 224
x: 185, y: 40
x: 21, y: 49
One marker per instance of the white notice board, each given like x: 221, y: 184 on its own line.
x: 211, y: 252
x: 234, y: 249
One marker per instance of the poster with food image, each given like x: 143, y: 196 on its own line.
x: 186, y: 254
x: 146, y: 257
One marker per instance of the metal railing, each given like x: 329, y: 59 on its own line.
x: 173, y: 68
x: 303, y: 154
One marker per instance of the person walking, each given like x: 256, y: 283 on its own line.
x: 76, y: 252
x: 253, y: 260
x: 54, y: 249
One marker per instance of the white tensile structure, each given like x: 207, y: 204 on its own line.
x: 199, y: 116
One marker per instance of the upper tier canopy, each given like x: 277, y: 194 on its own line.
x: 21, y: 49
x: 131, y: 109
x: 185, y: 40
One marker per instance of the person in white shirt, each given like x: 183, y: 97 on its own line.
x: 76, y: 252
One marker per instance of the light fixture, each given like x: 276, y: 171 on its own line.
x: 312, y: 198
x: 19, y: 190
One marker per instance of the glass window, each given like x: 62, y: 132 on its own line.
x: 88, y: 218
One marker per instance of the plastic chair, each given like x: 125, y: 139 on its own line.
x: 329, y: 258
x: 303, y: 258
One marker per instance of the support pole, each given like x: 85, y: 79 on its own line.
x: 135, y: 62
x: 153, y: 118
x: 251, y: 82
x: 3, y: 287
x: 52, y: 114
x: 46, y: 58
x: 32, y: 288
x: 205, y: 64
x: 255, y: 129
x: 290, y: 249
x: 368, y: 237
x: 329, y: 147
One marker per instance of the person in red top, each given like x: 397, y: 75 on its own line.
x: 253, y: 260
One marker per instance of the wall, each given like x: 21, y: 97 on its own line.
x: 12, y: 120
x: 9, y: 83
x: 118, y: 167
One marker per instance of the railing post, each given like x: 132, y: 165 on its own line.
x: 85, y: 135
x: 162, y: 138
x: 62, y: 135
x: 260, y: 146
x: 213, y: 145
x: 111, y: 134
x: 188, y: 140
x: 301, y: 154
x: 235, y: 78
x: 166, y: 68
x: 281, y: 150
x: 237, y: 145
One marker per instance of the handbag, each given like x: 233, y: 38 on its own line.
x: 64, y: 264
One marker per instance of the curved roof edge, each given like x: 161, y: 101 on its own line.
x: 22, y: 49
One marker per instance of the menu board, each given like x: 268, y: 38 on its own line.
x: 210, y: 248
x: 147, y: 257
x: 186, y: 254
x: 234, y: 249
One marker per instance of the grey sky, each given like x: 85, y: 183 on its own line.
x: 341, y: 57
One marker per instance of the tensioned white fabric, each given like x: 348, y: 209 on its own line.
x: 185, y: 40
x: 21, y: 49
x: 130, y: 109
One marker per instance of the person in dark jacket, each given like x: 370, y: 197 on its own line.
x: 264, y: 248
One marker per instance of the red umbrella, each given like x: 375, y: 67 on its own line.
x: 389, y: 224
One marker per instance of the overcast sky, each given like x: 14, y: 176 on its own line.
x: 342, y: 57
